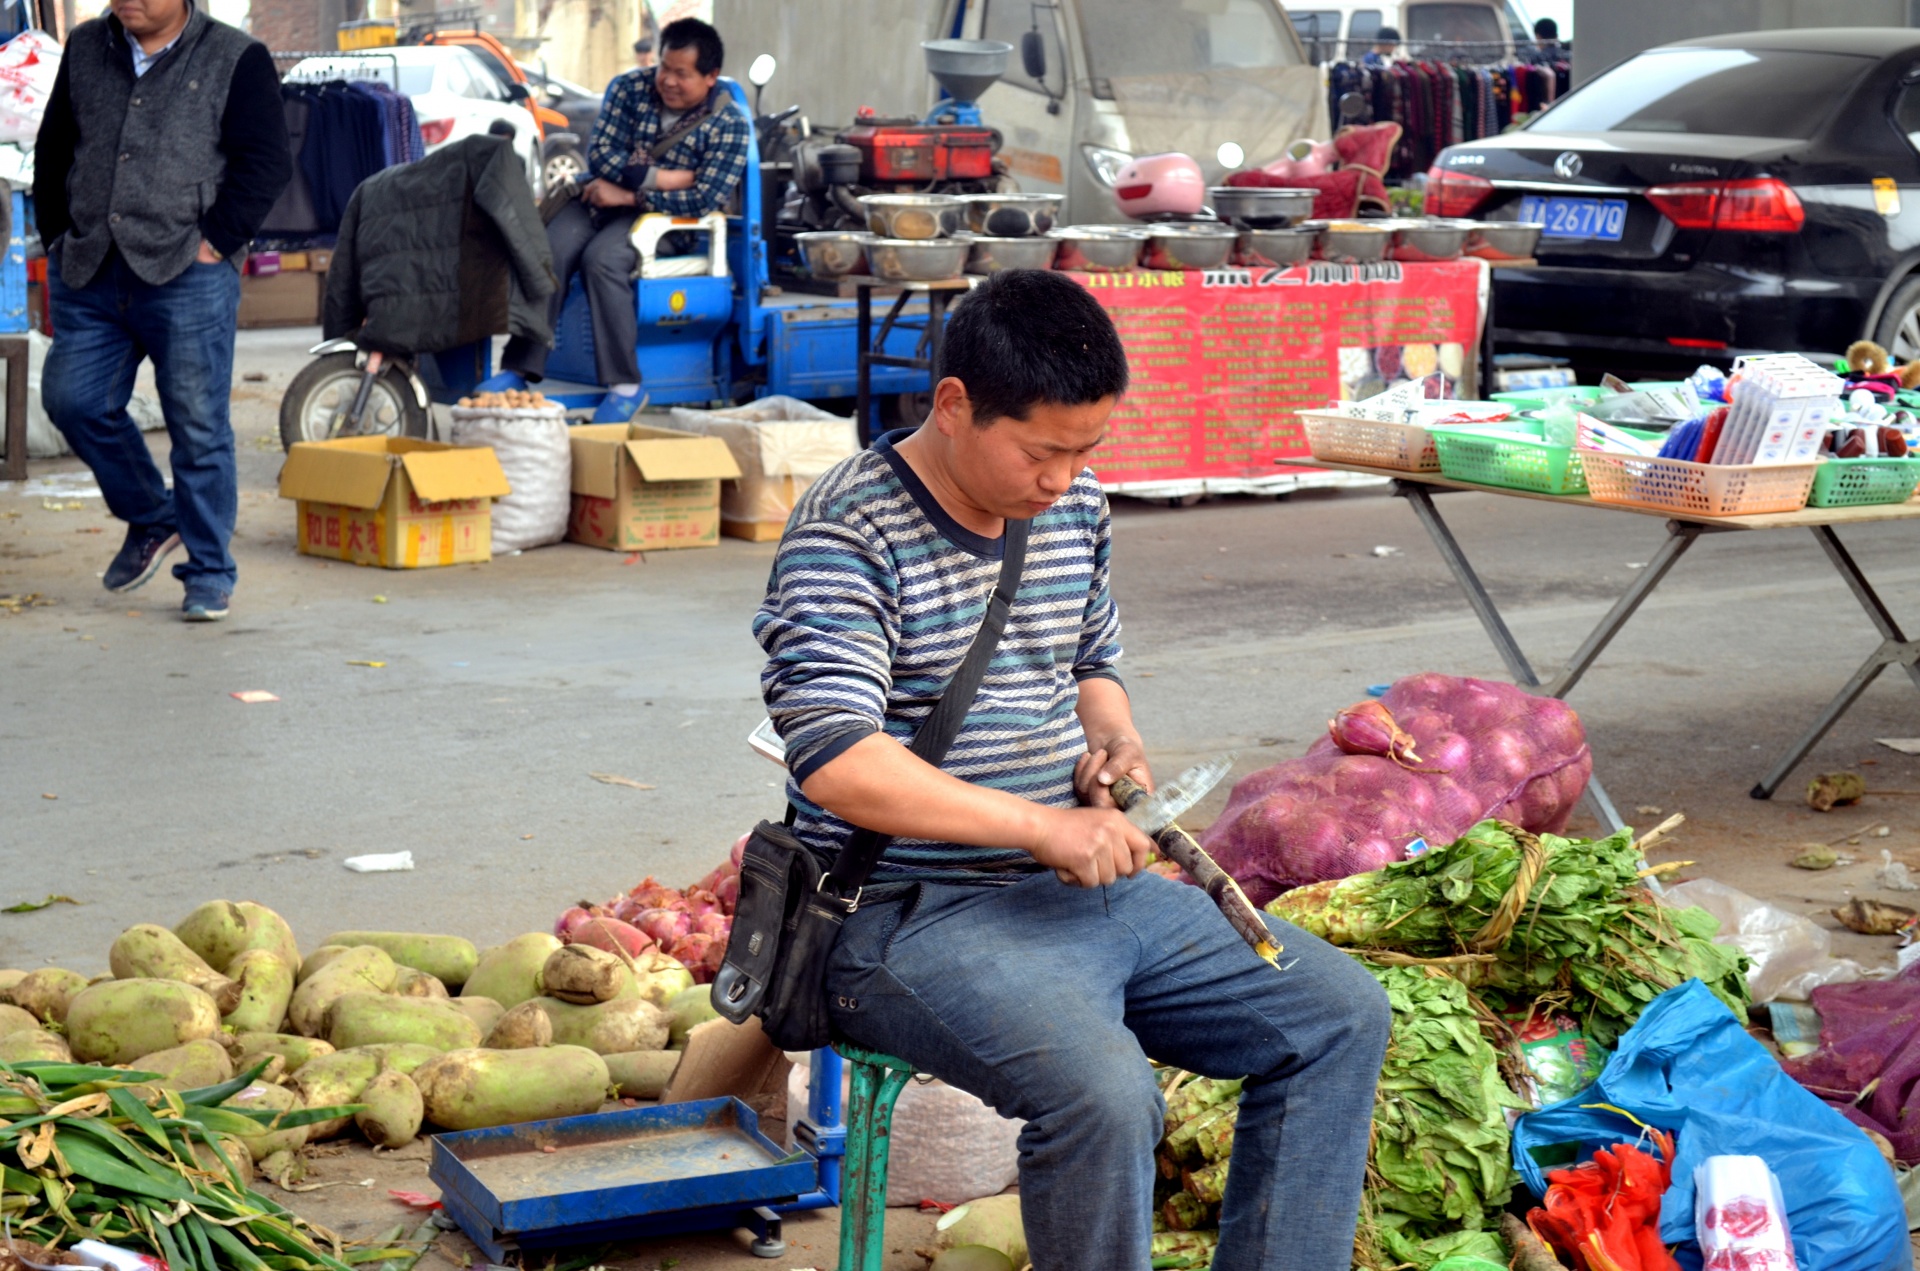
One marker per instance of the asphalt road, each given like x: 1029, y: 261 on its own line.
x: 132, y: 781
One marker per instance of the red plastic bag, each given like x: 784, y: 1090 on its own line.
x: 1604, y: 1213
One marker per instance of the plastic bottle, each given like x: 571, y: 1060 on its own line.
x: 1559, y: 423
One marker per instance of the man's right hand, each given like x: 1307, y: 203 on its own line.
x: 1090, y: 847
x: 603, y: 193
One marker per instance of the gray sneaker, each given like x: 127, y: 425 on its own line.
x: 205, y: 604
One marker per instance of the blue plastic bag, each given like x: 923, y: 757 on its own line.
x: 1689, y: 1067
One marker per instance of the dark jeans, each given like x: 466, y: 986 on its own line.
x: 1047, y: 1000
x: 102, y: 332
x: 583, y: 238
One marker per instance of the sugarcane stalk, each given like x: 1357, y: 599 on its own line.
x: 1197, y: 1095
x: 1214, y: 1141
x: 1182, y: 1144
x: 1208, y: 1184
x: 1185, y: 1212
x: 1181, y: 848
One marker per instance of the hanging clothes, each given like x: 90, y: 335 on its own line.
x: 1438, y: 104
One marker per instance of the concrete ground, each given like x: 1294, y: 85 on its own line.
x: 133, y: 782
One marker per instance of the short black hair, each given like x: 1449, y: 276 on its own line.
x: 1030, y: 336
x: 709, y: 52
x: 643, y: 45
x: 1387, y: 35
x: 1546, y: 29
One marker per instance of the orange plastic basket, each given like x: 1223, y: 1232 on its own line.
x: 1371, y: 443
x: 1697, y: 489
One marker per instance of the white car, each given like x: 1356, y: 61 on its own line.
x: 454, y: 94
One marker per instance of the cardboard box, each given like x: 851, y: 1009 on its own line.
x: 782, y: 446
x: 263, y: 264
x: 293, y: 262
x: 393, y: 501
x: 637, y: 488
x: 280, y: 300
x: 320, y: 259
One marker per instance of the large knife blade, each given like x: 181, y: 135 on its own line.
x: 1179, y: 847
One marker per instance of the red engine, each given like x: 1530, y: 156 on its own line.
x: 904, y: 152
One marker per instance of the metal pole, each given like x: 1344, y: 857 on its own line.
x: 864, y: 399
x: 1680, y: 536
x: 1421, y: 500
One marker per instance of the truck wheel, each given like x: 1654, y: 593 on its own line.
x: 1898, y: 331
x: 563, y: 162
x: 905, y: 410
x: 317, y: 401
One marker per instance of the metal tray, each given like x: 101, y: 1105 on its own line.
x: 634, y: 1172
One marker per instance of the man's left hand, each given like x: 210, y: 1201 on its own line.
x: 207, y: 255
x: 1120, y: 755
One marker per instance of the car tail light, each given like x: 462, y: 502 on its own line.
x: 435, y: 131
x: 1765, y: 205
x: 1695, y: 342
x: 1455, y: 193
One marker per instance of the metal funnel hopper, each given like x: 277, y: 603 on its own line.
x: 966, y: 68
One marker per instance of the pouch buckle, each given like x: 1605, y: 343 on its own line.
x: 848, y: 905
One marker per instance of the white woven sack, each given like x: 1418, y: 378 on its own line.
x: 945, y: 1144
x: 531, y: 444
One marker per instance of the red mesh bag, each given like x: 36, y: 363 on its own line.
x: 1368, y: 149
x: 1453, y: 753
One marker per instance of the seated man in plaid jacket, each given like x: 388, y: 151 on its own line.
x: 668, y: 139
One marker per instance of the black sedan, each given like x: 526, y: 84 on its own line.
x: 1734, y: 194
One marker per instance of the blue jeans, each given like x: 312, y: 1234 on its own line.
x: 1047, y: 1001
x: 101, y: 334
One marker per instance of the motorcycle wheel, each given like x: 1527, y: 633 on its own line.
x: 323, y: 391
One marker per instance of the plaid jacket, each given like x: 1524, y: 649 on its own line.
x: 629, y: 123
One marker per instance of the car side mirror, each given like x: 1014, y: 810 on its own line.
x: 761, y: 72
x: 1033, y: 55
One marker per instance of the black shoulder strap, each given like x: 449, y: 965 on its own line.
x: 856, y: 861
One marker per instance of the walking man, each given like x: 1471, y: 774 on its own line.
x: 1010, y: 941
x: 668, y: 139
x: 163, y: 148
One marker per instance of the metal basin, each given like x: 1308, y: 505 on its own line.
x: 1430, y: 239
x: 914, y: 215
x: 1097, y: 248
x: 1251, y: 208
x: 1189, y: 246
x: 1273, y: 247
x: 1505, y: 240
x: 1349, y: 242
x: 1012, y: 215
x: 833, y: 253
x: 991, y: 255
x: 917, y: 259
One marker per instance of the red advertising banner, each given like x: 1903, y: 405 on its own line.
x: 1221, y: 359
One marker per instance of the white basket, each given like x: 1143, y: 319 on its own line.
x: 1372, y: 443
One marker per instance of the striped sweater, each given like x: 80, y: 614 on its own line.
x: 875, y: 595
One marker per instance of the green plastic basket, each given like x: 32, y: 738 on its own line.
x: 1845, y: 483
x: 1490, y: 454
x: 1541, y: 398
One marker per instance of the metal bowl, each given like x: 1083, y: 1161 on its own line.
x: 1097, y: 248
x: 1505, y: 240
x: 1189, y: 246
x: 1349, y: 242
x: 1273, y: 247
x: 917, y: 259
x: 991, y: 255
x: 833, y: 253
x: 1430, y: 240
x: 1012, y: 215
x: 913, y: 215
x: 1254, y: 208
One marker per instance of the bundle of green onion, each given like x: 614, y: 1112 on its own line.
x: 95, y: 1153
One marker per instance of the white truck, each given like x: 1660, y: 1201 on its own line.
x: 1099, y: 82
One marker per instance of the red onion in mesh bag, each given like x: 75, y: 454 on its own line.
x: 1368, y: 728
x: 727, y: 892
x: 664, y: 925
x: 713, y: 924
x: 701, y: 901
x: 1490, y: 749
x: 568, y: 921
x: 739, y: 852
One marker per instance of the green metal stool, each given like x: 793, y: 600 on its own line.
x: 877, y: 1081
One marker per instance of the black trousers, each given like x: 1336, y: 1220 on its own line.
x: 585, y: 238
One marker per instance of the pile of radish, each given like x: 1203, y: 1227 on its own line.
x: 1433, y: 757
x: 689, y: 926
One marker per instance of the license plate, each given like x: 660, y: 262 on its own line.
x: 1602, y: 219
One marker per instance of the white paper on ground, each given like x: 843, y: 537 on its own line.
x: 1905, y: 745
x: 380, y: 863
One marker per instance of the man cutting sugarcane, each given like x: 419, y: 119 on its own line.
x: 966, y: 955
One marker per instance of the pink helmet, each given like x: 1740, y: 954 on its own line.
x: 1161, y: 183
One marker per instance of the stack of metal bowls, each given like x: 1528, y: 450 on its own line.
x: 1010, y: 231
x: 1189, y: 245
x: 1505, y: 240
x: 915, y: 237
x: 833, y: 253
x: 1350, y: 242
x: 1099, y: 249
x: 1428, y: 238
x: 1274, y: 248
x: 1248, y: 207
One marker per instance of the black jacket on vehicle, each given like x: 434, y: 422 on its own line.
x: 440, y: 253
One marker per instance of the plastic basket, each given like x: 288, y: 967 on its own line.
x: 1499, y: 458
x: 1371, y: 443
x: 1845, y: 483
x: 1576, y: 395
x: 1697, y: 489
